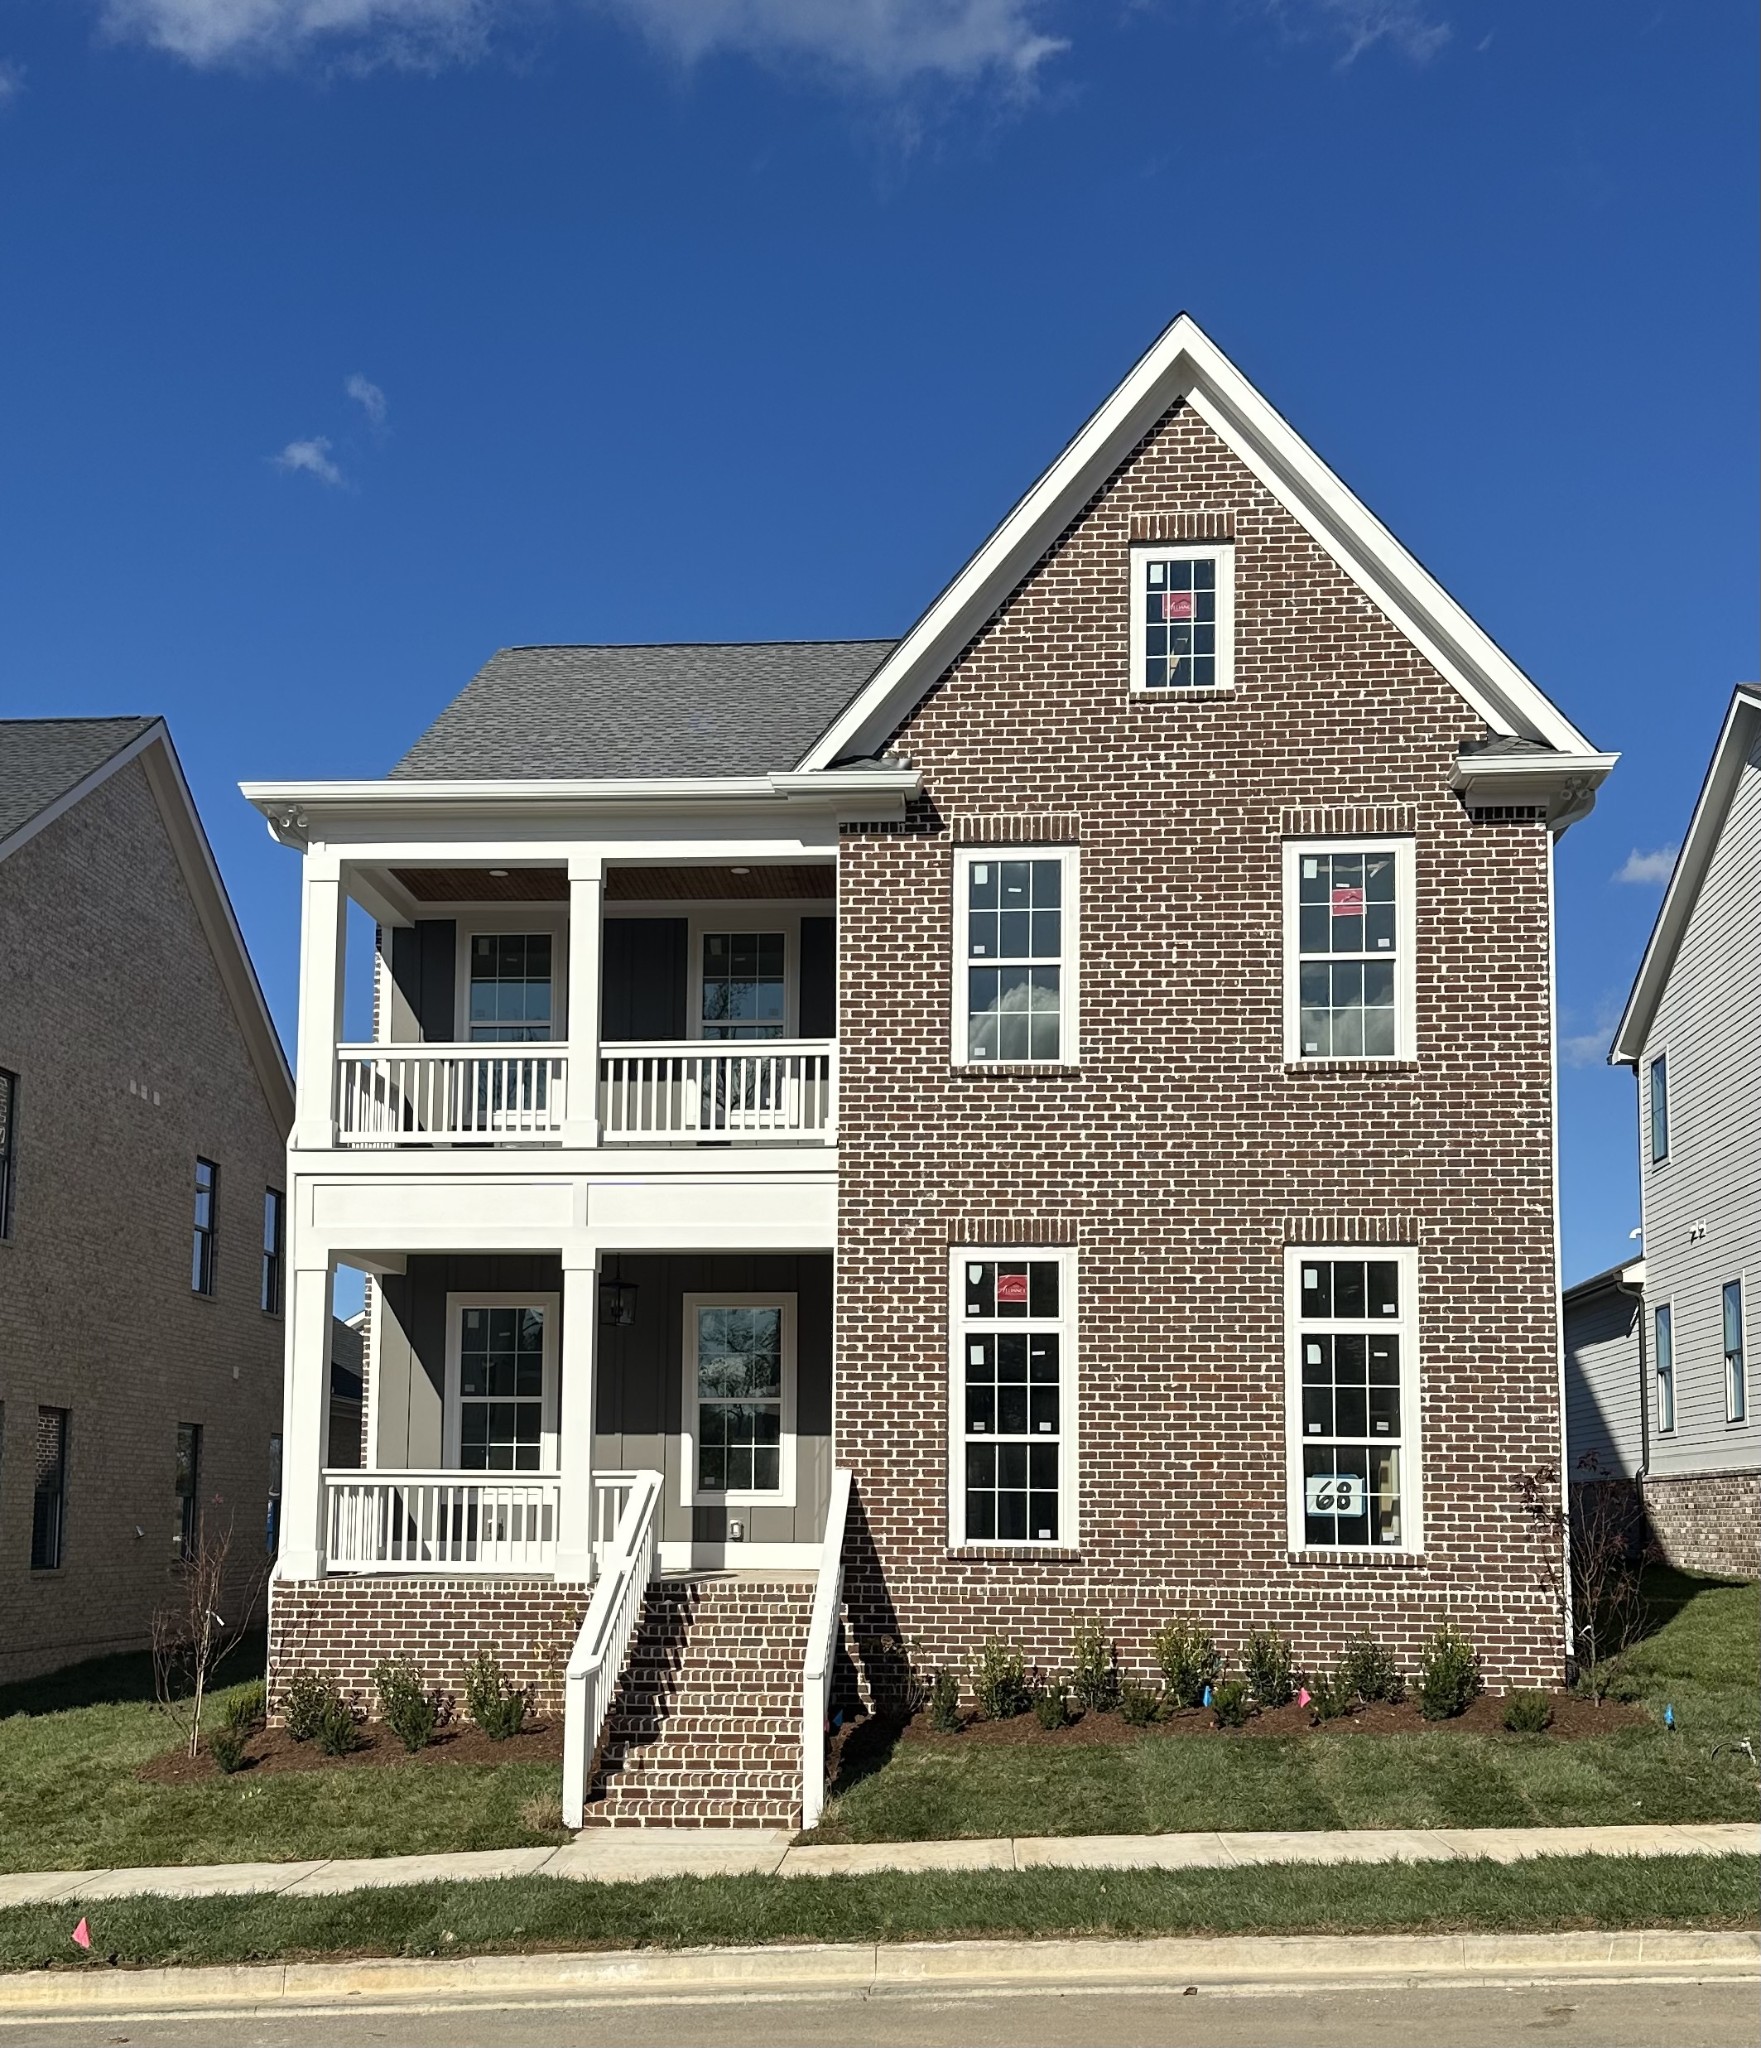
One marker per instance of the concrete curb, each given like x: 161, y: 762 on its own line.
x: 865, y: 1969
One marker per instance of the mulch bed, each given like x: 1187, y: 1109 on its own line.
x: 273, y: 1749
x: 1574, y: 1719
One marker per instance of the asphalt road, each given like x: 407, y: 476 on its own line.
x: 1632, y: 2014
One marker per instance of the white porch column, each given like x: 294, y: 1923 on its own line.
x: 322, y: 932
x: 574, y: 1536
x: 586, y: 895
x: 305, y: 1417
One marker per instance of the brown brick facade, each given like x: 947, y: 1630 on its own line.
x: 1182, y: 1155
x: 1707, y: 1521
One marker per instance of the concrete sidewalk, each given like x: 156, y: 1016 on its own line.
x: 626, y: 1855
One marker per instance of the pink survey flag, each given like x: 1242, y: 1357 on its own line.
x: 1303, y: 1697
x: 82, y: 1934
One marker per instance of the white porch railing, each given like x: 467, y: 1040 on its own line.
x: 440, y: 1521
x: 773, y: 1088
x: 597, y: 1662
x: 822, y: 1646
x: 452, y: 1094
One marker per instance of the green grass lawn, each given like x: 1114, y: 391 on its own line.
x: 532, y: 1914
x: 69, y: 1798
x: 1701, y: 1658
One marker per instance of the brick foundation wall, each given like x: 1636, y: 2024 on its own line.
x: 1708, y: 1522
x: 1181, y: 1156
x: 344, y: 1627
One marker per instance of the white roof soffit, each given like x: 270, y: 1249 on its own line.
x: 1735, y: 738
x: 1186, y: 363
x: 298, y: 811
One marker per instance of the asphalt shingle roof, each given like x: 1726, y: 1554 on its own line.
x: 534, y: 713
x: 43, y: 758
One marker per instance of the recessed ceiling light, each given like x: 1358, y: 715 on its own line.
x: 499, y: 874
x: 739, y: 871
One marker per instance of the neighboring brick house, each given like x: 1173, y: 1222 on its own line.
x: 144, y: 1107
x: 1692, y: 1035
x: 1051, y: 1117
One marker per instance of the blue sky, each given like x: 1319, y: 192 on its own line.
x: 748, y: 318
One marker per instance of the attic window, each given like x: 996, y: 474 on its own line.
x: 1182, y: 618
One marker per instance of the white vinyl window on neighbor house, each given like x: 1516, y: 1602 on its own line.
x: 1348, y: 950
x: 1352, y: 1398
x: 737, y: 1421
x: 1012, y: 1398
x: 1015, y: 962
x: 1182, y: 617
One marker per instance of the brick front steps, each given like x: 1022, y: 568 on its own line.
x: 705, y: 1729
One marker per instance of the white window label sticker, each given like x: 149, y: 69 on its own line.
x: 1311, y: 1276
x: 981, y: 872
x: 1335, y: 1493
x: 1314, y: 1354
x: 1310, y: 869
x: 977, y: 1354
x: 974, y: 1274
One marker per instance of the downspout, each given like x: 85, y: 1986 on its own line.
x: 1569, y: 1619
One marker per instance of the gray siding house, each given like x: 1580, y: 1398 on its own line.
x: 144, y: 1110
x: 1692, y: 1034
x: 1605, y: 1430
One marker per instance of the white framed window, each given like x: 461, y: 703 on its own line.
x: 1012, y: 1398
x: 501, y: 1382
x: 1348, y: 950
x: 1659, y: 1071
x: 512, y: 974
x: 1182, y: 617
x: 1352, y: 1398
x: 1663, y: 1364
x: 1736, y: 1375
x: 1015, y: 956
x: 737, y: 1419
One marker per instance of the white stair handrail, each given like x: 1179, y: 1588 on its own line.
x: 603, y: 1646
x: 822, y: 1644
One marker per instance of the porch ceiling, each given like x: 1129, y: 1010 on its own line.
x: 622, y: 884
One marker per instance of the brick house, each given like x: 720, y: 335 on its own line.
x: 876, y: 1144
x: 144, y: 1110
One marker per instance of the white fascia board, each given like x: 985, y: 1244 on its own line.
x: 1710, y: 809
x: 297, y: 812
x: 1186, y: 363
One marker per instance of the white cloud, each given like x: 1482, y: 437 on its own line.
x: 368, y: 396
x: 11, y: 82
x: 889, y: 43
x: 311, y: 458
x: 1405, y: 25
x: 1647, y: 868
x: 1590, y: 1048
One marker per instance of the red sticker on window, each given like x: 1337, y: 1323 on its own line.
x: 1011, y: 1286
x: 1348, y: 902
x: 1177, y: 604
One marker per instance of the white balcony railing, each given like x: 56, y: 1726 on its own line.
x: 440, y: 1521
x: 451, y: 1094
x: 767, y: 1089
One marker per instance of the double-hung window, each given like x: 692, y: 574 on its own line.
x: 188, y: 1485
x: 502, y: 1383
x: 1348, y: 950
x: 509, y: 999
x: 1352, y: 1399
x: 1736, y: 1378
x: 1663, y: 1363
x: 1015, y: 992
x: 274, y: 1249
x: 739, y: 1400
x: 49, y: 1498
x: 206, y: 1222
x: 1659, y: 1109
x: 1011, y: 1392
x: 1182, y: 617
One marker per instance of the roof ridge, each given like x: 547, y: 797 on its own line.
x: 660, y: 646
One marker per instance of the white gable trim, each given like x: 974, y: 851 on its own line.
x: 1710, y: 811
x: 1186, y: 363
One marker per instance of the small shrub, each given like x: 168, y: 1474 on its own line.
x: 338, y: 1730
x: 1527, y: 1713
x: 1140, y: 1704
x: 246, y: 1709
x: 1051, y: 1705
x: 226, y: 1745
x: 542, y: 1814
x: 1372, y: 1673
x: 999, y: 1683
x: 1231, y: 1703
x: 1267, y: 1667
x: 407, y: 1708
x: 1094, y: 1675
x: 944, y: 1702
x: 307, y: 1701
x: 1331, y: 1695
x: 497, y: 1706
x: 1189, y: 1660
x: 1449, y: 1675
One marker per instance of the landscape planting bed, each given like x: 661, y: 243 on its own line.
x: 273, y: 1750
